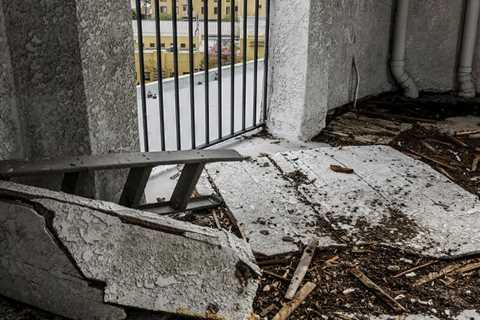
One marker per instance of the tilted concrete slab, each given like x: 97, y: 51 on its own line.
x: 267, y: 207
x: 391, y: 199
x: 133, y: 258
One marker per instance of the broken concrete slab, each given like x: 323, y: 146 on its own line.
x: 141, y: 260
x: 390, y: 199
x: 267, y: 207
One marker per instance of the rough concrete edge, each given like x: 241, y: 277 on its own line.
x: 140, y: 218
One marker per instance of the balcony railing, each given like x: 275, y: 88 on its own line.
x: 227, y: 98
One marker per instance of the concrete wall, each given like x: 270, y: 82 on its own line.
x: 73, y: 80
x: 322, y: 77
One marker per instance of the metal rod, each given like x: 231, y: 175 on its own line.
x: 219, y: 66
x: 207, y: 67
x: 244, y: 68
x: 225, y: 138
x: 255, y: 65
x: 160, y: 75
x: 192, y: 76
x: 265, y: 61
x: 175, y: 68
x: 232, y: 67
x: 141, y: 63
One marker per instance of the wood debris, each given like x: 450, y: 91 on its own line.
x: 302, y: 269
x: 435, y: 275
x: 341, y: 169
x: 396, y: 306
x: 415, y: 269
x: 467, y: 133
x: 291, y: 306
x: 475, y: 163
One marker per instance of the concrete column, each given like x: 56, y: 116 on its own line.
x: 73, y: 76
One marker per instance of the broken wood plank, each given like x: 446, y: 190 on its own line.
x: 302, y: 269
x: 291, y: 306
x: 414, y: 269
x: 341, y: 169
x: 469, y: 267
x: 394, y: 304
x: 435, y: 275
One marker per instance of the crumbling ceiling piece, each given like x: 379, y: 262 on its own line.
x: 390, y: 198
x: 123, y: 257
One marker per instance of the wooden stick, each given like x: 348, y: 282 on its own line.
x: 435, y: 275
x: 468, y: 268
x: 457, y: 141
x: 377, y: 290
x: 414, y: 269
x: 302, y: 269
x: 291, y: 306
x: 273, y: 274
x: 467, y: 133
x: 440, y: 163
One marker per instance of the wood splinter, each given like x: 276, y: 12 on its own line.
x: 341, y: 169
x: 397, y: 307
x: 302, y: 269
x: 291, y: 306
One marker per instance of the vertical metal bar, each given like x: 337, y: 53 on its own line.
x: 160, y: 74
x: 175, y: 70
x: 244, y: 76
x: 141, y: 63
x: 255, y: 65
x: 219, y: 65
x: 265, y: 61
x: 232, y: 67
x: 207, y: 67
x: 192, y: 76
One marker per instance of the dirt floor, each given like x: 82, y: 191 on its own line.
x: 420, y: 128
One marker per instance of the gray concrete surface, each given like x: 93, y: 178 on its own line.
x: 140, y: 260
x: 313, y: 44
x: 391, y: 199
x: 72, y: 74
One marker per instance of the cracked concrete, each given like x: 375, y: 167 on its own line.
x: 143, y: 261
x: 390, y: 199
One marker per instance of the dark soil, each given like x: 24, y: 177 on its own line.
x: 339, y: 294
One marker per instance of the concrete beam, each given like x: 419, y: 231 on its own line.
x: 134, y: 259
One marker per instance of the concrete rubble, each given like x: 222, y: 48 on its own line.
x: 87, y: 259
x: 391, y: 199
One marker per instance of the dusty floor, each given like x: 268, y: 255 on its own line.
x: 418, y: 129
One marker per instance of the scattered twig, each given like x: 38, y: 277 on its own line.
x: 457, y: 141
x: 440, y: 163
x: 428, y: 146
x: 396, y: 306
x: 469, y: 267
x: 475, y: 163
x: 445, y: 173
x: 396, y: 117
x: 327, y: 264
x: 467, y: 133
x: 291, y: 306
x: 217, y: 223
x: 414, y: 269
x: 341, y: 169
x: 435, y: 275
x: 267, y: 310
x: 273, y: 274
x: 302, y: 269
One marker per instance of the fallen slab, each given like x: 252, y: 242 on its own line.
x: 267, y: 207
x: 98, y: 260
x: 390, y: 198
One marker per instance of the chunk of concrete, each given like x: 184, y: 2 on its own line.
x: 390, y: 199
x: 143, y: 261
x: 267, y: 207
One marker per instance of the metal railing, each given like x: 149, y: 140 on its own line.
x: 207, y: 125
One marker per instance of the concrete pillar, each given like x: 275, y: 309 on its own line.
x: 73, y: 78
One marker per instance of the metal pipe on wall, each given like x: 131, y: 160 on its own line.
x: 466, y: 85
x: 397, y: 63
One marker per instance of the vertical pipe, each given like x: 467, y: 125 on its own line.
x: 244, y: 67
x: 466, y: 85
x: 398, y: 51
x: 207, y: 67
x: 265, y: 61
x: 160, y: 75
x: 255, y: 66
x: 175, y: 68
x: 219, y: 66
x: 141, y: 63
x: 232, y: 67
x: 191, y: 70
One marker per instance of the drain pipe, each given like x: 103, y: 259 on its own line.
x: 466, y: 85
x: 397, y: 64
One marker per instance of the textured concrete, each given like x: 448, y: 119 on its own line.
x: 390, y: 199
x: 314, y: 42
x: 10, y: 132
x: 142, y: 260
x: 465, y: 315
x: 73, y: 76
